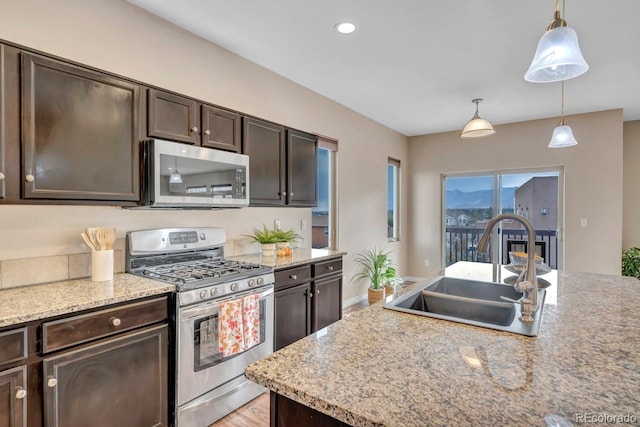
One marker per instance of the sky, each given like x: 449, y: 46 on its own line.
x: 485, y: 182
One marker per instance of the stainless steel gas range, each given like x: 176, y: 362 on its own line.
x: 223, y: 318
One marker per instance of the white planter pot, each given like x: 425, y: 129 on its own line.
x: 268, y: 249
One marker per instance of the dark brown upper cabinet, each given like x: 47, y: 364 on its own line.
x: 302, y: 169
x: 282, y: 164
x: 176, y: 118
x: 9, y: 124
x: 80, y: 132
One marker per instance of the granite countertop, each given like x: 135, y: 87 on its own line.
x: 379, y: 367
x: 27, y: 303
x: 299, y: 256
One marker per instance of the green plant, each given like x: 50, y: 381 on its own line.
x: 286, y: 235
x: 264, y: 236
x: 631, y: 262
x: 375, y: 266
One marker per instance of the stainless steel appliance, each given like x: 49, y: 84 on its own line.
x: 208, y: 384
x: 187, y: 177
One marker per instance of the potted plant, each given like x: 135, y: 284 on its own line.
x: 267, y: 239
x: 374, y: 265
x: 631, y: 262
x: 391, y: 279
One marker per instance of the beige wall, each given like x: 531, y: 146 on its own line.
x: 631, y: 212
x: 116, y: 36
x: 592, y: 185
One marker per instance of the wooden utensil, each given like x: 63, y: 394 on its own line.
x: 101, y: 237
x: 86, y: 239
x: 91, y: 232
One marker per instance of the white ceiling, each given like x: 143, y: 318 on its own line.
x: 415, y: 65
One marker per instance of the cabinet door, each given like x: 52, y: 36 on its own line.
x: 292, y: 315
x: 302, y: 167
x: 80, y: 133
x: 119, y: 382
x: 2, y: 121
x: 13, y: 391
x: 263, y: 142
x: 220, y: 129
x: 327, y: 307
x: 173, y: 117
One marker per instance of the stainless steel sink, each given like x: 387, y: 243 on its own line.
x: 471, y: 302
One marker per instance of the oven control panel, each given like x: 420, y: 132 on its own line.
x: 227, y: 289
x: 171, y: 240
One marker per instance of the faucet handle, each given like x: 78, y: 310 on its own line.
x: 524, y: 286
x: 527, y: 307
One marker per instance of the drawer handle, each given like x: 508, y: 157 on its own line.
x: 52, y: 382
x: 330, y: 268
x: 115, y: 321
x: 20, y: 393
x: 293, y: 276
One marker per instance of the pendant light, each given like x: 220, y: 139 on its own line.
x: 558, y: 56
x: 562, y: 134
x: 175, y: 177
x: 477, y: 127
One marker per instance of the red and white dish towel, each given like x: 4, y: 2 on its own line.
x: 238, y: 325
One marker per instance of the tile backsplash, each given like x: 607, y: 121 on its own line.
x: 46, y: 269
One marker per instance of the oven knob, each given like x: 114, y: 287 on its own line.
x: 260, y: 281
x: 234, y: 286
x: 213, y: 292
x: 252, y: 283
x: 203, y: 236
x: 203, y: 294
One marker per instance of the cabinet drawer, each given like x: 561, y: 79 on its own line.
x: 292, y: 276
x: 86, y: 327
x: 13, y: 346
x: 325, y: 268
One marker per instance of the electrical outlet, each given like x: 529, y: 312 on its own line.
x: 276, y: 224
x: 303, y: 225
x: 426, y: 263
x: 583, y: 222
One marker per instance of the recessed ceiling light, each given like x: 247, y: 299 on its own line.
x: 345, y: 27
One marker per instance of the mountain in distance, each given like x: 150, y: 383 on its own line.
x: 457, y: 199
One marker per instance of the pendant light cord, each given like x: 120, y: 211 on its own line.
x: 562, y: 105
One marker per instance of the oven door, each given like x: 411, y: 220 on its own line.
x: 201, y: 366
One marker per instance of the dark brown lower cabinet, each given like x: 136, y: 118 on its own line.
x: 288, y: 413
x: 13, y: 393
x: 305, y: 304
x: 292, y: 315
x: 118, y: 382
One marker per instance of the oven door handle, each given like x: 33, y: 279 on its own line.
x: 190, y: 313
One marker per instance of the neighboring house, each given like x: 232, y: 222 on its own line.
x: 537, y: 200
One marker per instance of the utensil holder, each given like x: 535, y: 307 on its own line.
x: 102, y: 265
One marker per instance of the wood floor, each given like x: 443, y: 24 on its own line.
x: 256, y: 412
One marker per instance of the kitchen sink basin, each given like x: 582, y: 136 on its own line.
x: 471, y: 302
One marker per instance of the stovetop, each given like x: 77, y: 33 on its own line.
x: 193, y: 260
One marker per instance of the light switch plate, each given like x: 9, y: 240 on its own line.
x: 583, y: 222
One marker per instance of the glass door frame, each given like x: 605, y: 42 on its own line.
x: 497, y: 187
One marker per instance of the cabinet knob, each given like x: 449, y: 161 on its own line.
x: 29, y: 178
x: 291, y: 194
x: 317, y: 291
x: 282, y: 193
x: 194, y: 129
x: 310, y: 294
x: 115, y: 321
x: 1, y: 176
x: 207, y: 132
x: 52, y: 382
x: 330, y: 268
x: 293, y: 276
x: 20, y: 393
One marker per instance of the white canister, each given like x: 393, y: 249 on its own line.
x: 102, y: 265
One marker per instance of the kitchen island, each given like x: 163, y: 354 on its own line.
x: 385, y: 368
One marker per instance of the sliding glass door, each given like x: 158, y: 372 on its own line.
x: 470, y: 200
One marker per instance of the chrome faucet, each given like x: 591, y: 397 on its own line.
x: 529, y: 286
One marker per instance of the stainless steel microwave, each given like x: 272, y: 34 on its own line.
x: 185, y: 176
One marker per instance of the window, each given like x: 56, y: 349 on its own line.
x: 393, y: 192
x: 323, y: 217
x: 470, y: 200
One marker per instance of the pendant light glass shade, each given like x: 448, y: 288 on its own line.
x: 562, y: 137
x: 558, y: 57
x: 477, y: 127
x: 175, y: 177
